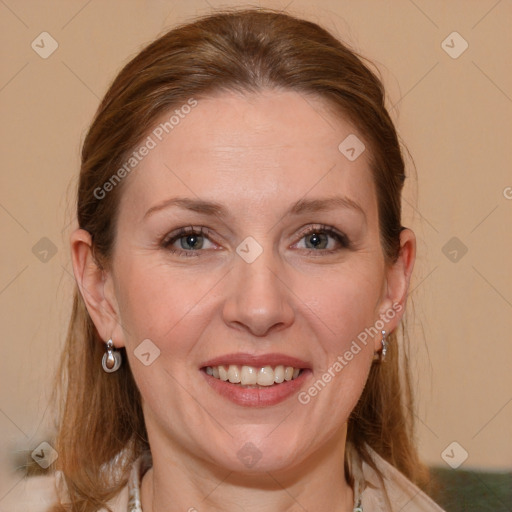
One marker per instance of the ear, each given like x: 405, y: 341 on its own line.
x: 96, y: 287
x: 398, y: 276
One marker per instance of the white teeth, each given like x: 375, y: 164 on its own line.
x: 233, y: 374
x: 251, y: 376
x: 279, y: 374
x: 266, y: 376
x: 223, y: 373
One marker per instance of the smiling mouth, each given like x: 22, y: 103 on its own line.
x: 252, y: 376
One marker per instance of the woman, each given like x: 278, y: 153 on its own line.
x: 242, y: 272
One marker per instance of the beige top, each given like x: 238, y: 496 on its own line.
x: 37, y: 494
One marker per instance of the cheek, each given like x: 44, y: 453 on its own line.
x: 156, y: 301
x: 343, y: 314
x: 345, y: 309
x: 345, y: 304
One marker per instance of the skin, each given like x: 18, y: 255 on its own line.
x: 257, y: 155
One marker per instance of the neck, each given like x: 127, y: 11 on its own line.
x: 180, y: 482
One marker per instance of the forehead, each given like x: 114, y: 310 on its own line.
x: 272, y: 147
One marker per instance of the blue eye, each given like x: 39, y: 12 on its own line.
x: 192, y: 241
x: 324, y: 239
x: 189, y: 240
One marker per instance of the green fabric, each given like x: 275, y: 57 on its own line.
x: 471, y: 491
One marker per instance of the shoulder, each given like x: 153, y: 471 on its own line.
x: 403, y: 495
x: 40, y: 494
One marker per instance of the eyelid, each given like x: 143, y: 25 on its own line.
x: 183, y: 231
x: 176, y: 234
x: 342, y: 240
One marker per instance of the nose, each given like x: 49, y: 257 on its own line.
x: 259, y: 300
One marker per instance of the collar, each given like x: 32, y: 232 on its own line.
x: 140, y: 466
x: 145, y: 461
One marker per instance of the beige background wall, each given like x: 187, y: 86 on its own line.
x: 454, y: 114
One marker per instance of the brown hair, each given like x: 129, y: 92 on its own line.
x: 245, y: 51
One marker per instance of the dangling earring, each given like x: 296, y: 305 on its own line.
x: 381, y: 356
x: 111, y: 358
x: 384, y: 346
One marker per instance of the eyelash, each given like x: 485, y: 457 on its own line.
x: 340, y: 238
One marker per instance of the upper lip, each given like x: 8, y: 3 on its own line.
x: 259, y: 361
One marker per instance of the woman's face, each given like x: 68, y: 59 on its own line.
x: 280, y: 265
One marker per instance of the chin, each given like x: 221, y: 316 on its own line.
x: 249, y: 460
x: 260, y: 453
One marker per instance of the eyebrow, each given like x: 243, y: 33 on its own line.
x: 301, y: 206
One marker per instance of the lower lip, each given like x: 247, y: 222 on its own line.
x: 257, y: 397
